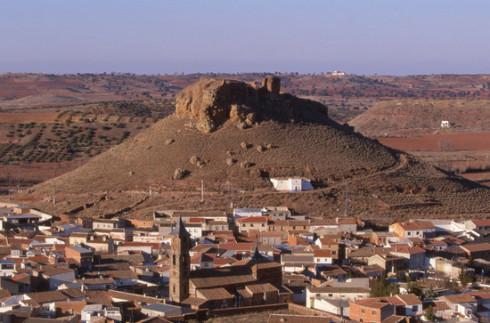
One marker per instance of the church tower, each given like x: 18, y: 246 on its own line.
x: 180, y: 263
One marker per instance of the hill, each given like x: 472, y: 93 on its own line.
x: 233, y: 137
x: 400, y: 118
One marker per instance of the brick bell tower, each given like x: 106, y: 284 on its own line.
x: 180, y: 263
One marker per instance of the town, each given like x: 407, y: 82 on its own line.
x: 184, y: 265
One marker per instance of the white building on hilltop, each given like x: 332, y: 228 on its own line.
x: 291, y: 184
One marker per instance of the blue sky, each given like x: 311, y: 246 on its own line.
x: 159, y: 36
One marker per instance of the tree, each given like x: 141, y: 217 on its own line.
x: 466, y: 277
x: 381, y: 287
x: 429, y: 313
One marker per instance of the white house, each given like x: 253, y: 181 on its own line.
x: 296, y: 263
x: 291, y: 184
x: 7, y: 268
x: 92, y: 312
x: 248, y: 212
x: 194, y: 229
x: 339, y: 293
x: 323, y: 257
x: 445, y: 124
x: 337, y: 307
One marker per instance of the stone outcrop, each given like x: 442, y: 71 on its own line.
x: 210, y: 103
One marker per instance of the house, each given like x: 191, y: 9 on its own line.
x: 100, y: 244
x: 91, y: 312
x: 164, y: 310
x: 77, y: 238
x: 446, y: 267
x: 331, y: 243
x: 323, y: 257
x: 413, y: 229
x: 344, y: 292
x: 370, y: 310
x: 146, y: 235
x: 18, y: 284
x: 270, y: 238
x: 150, y: 248
x: 257, y: 223
x: 211, y: 298
x: 407, y: 305
x: 55, y: 276
x: 107, y: 224
x: 389, y: 263
x: 382, y: 238
x: 477, y: 224
x: 7, y: 268
x: 464, y: 305
x: 81, y: 255
x: 195, y: 230
x: 286, y: 227
x: 363, y: 254
x: 15, y: 215
x: 277, y: 212
x: 248, y: 212
x: 291, y: 184
x: 414, y: 255
x: 338, y: 307
x: 477, y: 250
x: 442, y: 310
x: 297, y: 263
x: 213, y: 226
x: 258, y: 294
x: 96, y: 284
x: 172, y: 216
x: 379, y: 309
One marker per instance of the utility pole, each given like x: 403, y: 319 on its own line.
x: 346, y: 200
x: 202, y: 191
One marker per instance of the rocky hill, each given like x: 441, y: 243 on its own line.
x: 232, y: 137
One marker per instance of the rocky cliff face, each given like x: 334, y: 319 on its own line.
x: 210, y: 103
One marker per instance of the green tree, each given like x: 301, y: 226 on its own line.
x: 429, y: 313
x: 466, y: 277
x: 381, y: 287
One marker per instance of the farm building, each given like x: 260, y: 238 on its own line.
x: 292, y: 184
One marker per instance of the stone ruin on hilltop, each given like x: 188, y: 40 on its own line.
x: 210, y: 103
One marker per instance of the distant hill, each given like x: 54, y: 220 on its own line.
x: 415, y: 117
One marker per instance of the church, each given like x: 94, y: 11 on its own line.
x: 246, y: 282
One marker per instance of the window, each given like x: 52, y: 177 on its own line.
x: 173, y: 261
x: 373, y: 312
x: 363, y: 311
